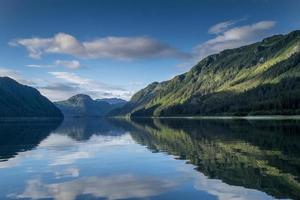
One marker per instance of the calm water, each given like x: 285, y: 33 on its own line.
x: 150, y: 159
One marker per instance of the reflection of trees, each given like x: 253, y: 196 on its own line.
x: 17, y: 136
x: 24, y: 135
x: 256, y: 154
x: 84, y: 128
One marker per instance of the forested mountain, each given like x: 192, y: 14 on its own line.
x: 261, y: 78
x: 17, y: 100
x: 82, y: 105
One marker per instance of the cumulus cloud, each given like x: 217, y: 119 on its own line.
x: 122, y: 48
x: 232, y: 37
x: 69, y: 84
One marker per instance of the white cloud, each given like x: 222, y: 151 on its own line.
x: 69, y: 84
x: 11, y: 73
x: 222, y: 26
x: 59, y: 91
x: 233, y: 37
x: 71, y: 64
x: 71, y: 77
x: 124, y: 48
x: 33, y: 45
x: 39, y: 66
x: 16, y: 75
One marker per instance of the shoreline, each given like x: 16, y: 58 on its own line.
x: 254, y: 117
x: 260, y: 117
x: 6, y: 119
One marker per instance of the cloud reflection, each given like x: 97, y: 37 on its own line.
x: 63, y: 150
x: 219, y: 189
x: 68, y: 172
x: 110, y: 187
x: 81, y: 150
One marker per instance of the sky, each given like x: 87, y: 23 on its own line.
x: 114, y: 48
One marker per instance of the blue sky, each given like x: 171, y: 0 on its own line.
x: 114, y: 48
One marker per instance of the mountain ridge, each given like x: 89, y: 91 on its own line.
x: 221, y: 83
x: 82, y: 105
x: 112, y: 101
x: 18, y: 100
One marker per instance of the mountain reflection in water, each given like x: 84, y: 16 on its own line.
x: 126, y: 159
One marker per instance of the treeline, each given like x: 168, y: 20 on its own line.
x: 282, y: 98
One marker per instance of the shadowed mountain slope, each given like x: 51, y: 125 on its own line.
x: 17, y: 100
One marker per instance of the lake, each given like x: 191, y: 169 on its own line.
x: 150, y: 159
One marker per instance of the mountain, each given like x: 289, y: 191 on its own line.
x: 82, y: 105
x: 261, y: 78
x: 17, y: 100
x: 113, y: 101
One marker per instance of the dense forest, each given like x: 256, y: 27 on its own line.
x: 259, y: 79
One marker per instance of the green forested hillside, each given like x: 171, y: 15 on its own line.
x: 17, y: 100
x: 261, y: 78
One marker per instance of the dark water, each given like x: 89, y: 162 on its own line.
x: 150, y: 159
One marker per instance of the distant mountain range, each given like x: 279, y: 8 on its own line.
x: 82, y: 105
x: 258, y: 79
x: 17, y: 100
x: 113, y: 101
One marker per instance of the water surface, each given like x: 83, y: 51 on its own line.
x: 150, y: 159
